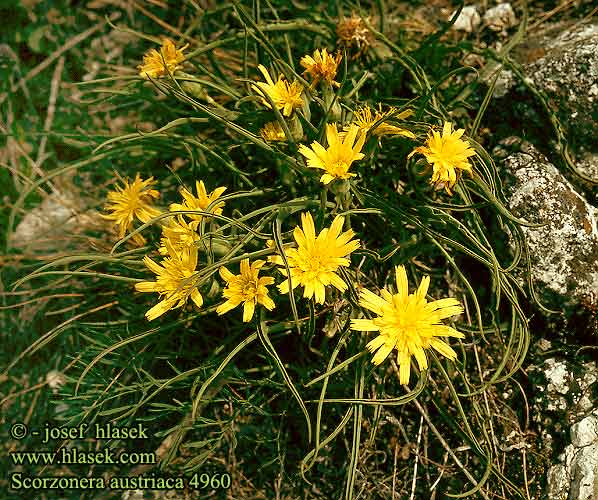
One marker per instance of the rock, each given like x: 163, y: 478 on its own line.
x: 585, y: 432
x: 557, y: 376
x: 563, y: 65
x: 560, y: 476
x: 564, y: 396
x: 577, y: 474
x: 468, y: 20
x: 563, y: 401
x: 56, y: 210
x: 564, y: 251
x: 501, y: 17
x: 585, y: 474
x: 587, y: 163
x: 568, y: 75
x: 45, y: 227
x: 504, y: 83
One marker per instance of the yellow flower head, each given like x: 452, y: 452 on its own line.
x: 339, y: 156
x: 408, y: 323
x: 157, y: 64
x: 285, y: 96
x: 272, y: 131
x: 174, y: 281
x: 446, y: 153
x: 352, y: 31
x: 132, y: 201
x: 322, y: 66
x: 366, y: 118
x: 201, y: 202
x: 313, y: 264
x: 179, y: 234
x: 247, y: 288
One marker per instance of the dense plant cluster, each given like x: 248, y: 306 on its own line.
x: 303, y: 169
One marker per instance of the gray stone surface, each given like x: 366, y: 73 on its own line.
x: 563, y: 64
x: 48, y: 227
x: 564, y: 251
x: 576, y: 476
x: 57, y: 210
x: 564, y: 396
x: 568, y: 74
x: 564, y: 409
x: 468, y: 20
x: 585, y: 432
x: 500, y: 17
x: 587, y: 164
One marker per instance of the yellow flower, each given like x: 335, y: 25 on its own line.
x: 157, y: 64
x: 337, y: 159
x: 366, y: 118
x: 247, y: 288
x: 133, y: 201
x: 180, y: 235
x: 201, y: 202
x: 408, y: 323
x: 174, y: 281
x: 285, y: 96
x: 322, y: 66
x: 313, y: 264
x: 446, y: 153
x: 272, y: 131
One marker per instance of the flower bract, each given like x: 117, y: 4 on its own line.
x: 375, y: 121
x: 272, y: 131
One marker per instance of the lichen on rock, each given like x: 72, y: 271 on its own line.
x: 564, y: 412
x: 576, y: 476
x: 564, y: 249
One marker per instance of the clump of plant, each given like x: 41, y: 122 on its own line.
x: 316, y: 275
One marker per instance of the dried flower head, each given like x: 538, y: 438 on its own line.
x: 322, y: 66
x: 174, y: 282
x: 448, y: 154
x: 132, y: 201
x: 157, y: 64
x: 200, y: 202
x: 353, y: 32
x: 55, y: 380
x: 285, y: 96
x: 338, y: 157
x: 375, y: 121
x: 408, y: 323
x: 246, y: 288
x: 313, y: 264
x: 272, y: 131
